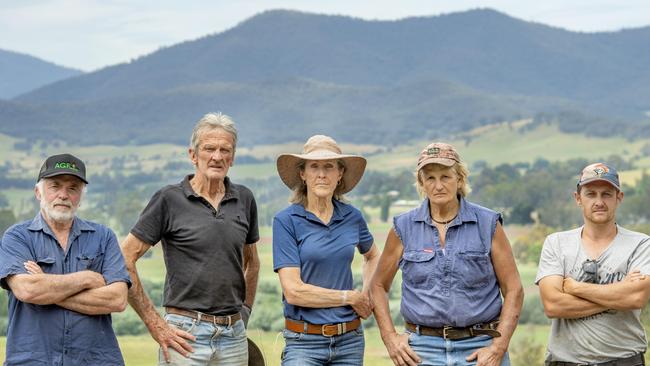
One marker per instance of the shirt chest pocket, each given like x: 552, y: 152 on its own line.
x: 46, y: 262
x: 91, y: 262
x: 474, y: 269
x: 417, y: 268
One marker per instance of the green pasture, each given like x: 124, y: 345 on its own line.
x: 510, y: 143
x: 495, y: 144
x: 143, y: 350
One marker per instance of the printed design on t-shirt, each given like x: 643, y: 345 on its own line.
x: 606, y: 276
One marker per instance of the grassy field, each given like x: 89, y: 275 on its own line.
x: 143, y: 351
x: 494, y: 144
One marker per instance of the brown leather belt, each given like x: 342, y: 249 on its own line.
x: 635, y: 360
x: 214, y: 319
x: 449, y: 332
x: 327, y: 330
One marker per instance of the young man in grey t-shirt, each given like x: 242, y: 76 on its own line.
x: 594, y: 281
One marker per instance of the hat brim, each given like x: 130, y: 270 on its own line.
x: 54, y: 174
x: 441, y: 161
x: 255, y: 355
x: 287, y: 165
x: 587, y: 181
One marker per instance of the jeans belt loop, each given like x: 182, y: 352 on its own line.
x: 198, y: 317
x: 444, y: 331
x: 417, y: 329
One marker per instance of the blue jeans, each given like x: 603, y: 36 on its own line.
x: 437, y: 351
x: 215, y: 345
x: 314, y: 350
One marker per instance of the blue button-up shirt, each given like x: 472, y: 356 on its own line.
x: 323, y: 252
x: 49, y: 334
x: 457, y: 286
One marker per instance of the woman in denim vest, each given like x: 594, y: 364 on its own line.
x: 456, y: 263
x: 314, y: 241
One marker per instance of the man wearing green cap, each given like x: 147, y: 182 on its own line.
x: 65, y: 276
x: 593, y: 280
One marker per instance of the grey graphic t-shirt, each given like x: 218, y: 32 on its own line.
x: 612, y: 333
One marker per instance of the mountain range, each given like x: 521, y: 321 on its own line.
x: 20, y: 73
x: 284, y: 75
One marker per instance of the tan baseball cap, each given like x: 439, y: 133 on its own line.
x: 438, y: 153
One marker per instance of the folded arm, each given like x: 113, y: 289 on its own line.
x: 97, y: 301
x: 559, y: 304
x: 630, y: 294
x: 47, y: 289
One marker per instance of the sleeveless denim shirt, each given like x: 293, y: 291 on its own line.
x: 458, y: 287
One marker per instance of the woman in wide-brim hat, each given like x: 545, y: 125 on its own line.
x: 313, y: 246
x: 456, y: 264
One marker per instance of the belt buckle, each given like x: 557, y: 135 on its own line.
x: 444, y: 331
x: 337, y: 330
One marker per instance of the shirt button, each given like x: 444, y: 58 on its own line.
x: 65, y: 352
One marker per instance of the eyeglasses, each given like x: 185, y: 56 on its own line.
x: 590, y: 271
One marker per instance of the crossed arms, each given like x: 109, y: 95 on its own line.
x: 85, y: 292
x: 569, y: 299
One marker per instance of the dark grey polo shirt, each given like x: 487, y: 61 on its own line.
x: 203, y: 247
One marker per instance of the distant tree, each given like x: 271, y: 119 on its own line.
x: 528, y: 247
x: 7, y: 219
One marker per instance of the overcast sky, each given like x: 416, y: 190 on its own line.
x: 90, y: 34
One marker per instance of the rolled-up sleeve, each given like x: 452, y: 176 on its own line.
x: 14, y: 252
x: 114, y: 268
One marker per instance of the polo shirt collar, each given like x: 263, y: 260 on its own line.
x: 465, y: 214
x: 189, y: 191
x: 341, y: 210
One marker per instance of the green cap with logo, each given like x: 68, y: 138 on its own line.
x: 63, y: 164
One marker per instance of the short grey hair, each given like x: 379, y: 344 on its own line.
x: 213, y: 121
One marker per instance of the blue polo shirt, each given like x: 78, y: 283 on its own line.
x: 324, y: 253
x: 49, y: 334
x: 457, y: 287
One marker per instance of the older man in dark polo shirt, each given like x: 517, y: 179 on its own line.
x: 208, y: 229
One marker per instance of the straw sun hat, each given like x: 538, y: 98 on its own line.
x: 320, y: 147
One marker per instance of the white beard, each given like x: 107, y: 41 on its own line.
x: 56, y: 215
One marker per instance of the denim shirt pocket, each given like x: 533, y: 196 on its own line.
x: 417, y: 267
x: 474, y: 269
x: 46, y: 263
x: 92, y: 262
